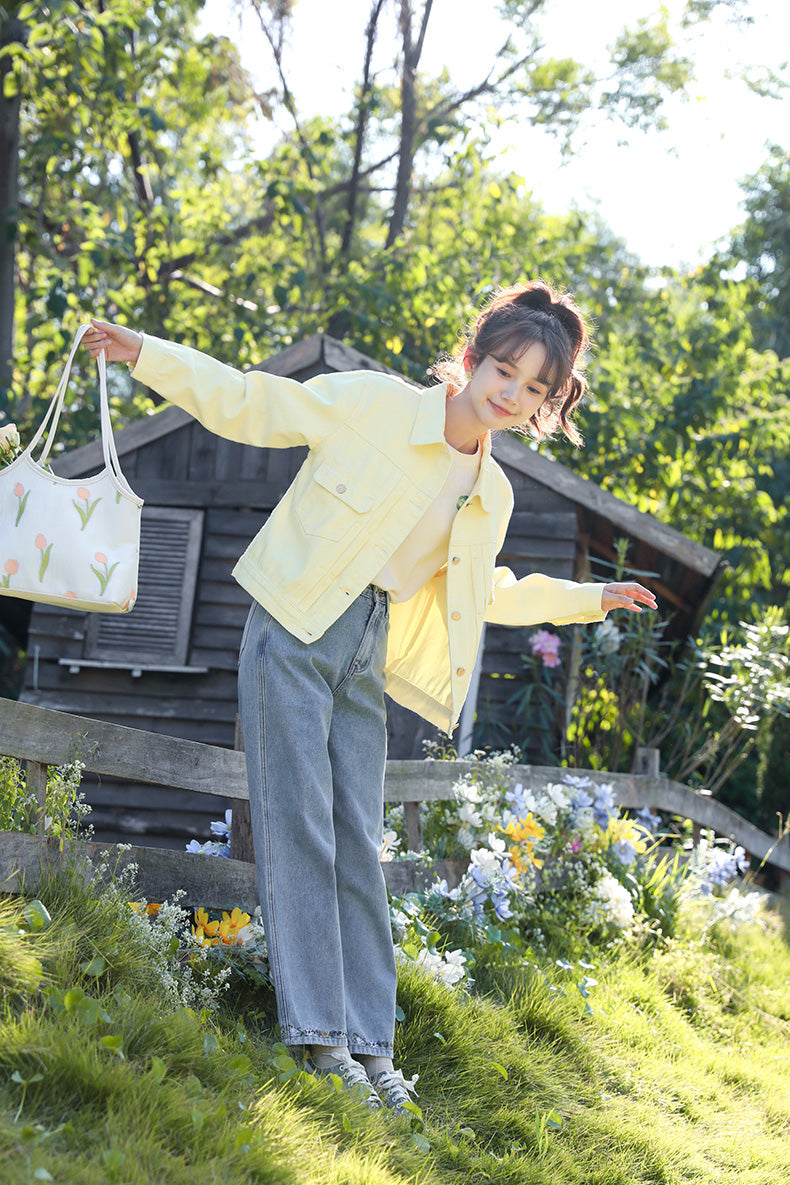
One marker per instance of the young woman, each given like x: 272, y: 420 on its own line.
x: 375, y: 571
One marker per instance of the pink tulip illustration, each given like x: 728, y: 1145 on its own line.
x: 71, y: 595
x: 87, y: 510
x: 128, y: 605
x: 22, y: 497
x: 41, y: 544
x: 103, y: 577
x: 11, y: 568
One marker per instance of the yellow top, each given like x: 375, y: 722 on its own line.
x: 377, y: 460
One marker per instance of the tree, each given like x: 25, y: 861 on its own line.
x: 762, y: 245
x: 138, y: 194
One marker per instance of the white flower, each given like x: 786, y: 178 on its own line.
x: 612, y: 902
x: 389, y: 845
x: 486, y: 859
x: 607, y: 635
x: 547, y: 811
x: 465, y: 837
x: 9, y: 439
x: 466, y: 791
x: 469, y: 816
x: 496, y: 844
x: 449, y: 969
x: 558, y: 796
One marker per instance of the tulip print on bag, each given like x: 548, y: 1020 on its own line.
x: 69, y: 542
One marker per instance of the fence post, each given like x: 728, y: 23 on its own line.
x: 241, y: 846
x: 37, y: 780
x: 648, y: 761
x: 413, y: 825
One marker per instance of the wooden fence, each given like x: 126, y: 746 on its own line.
x: 42, y: 737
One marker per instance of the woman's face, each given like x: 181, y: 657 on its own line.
x: 505, y: 394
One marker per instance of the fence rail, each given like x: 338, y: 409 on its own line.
x: 42, y: 737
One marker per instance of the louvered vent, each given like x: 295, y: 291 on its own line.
x: 157, y: 629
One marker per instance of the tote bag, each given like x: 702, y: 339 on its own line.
x: 69, y: 542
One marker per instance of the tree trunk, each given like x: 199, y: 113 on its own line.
x: 11, y: 30
x: 412, y: 51
x: 361, y: 127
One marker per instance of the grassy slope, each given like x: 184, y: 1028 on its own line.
x: 681, y: 1073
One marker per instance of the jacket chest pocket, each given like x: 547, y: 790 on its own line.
x: 483, y: 576
x: 332, y: 503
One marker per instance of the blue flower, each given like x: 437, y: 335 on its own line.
x: 648, y: 820
x: 603, y: 805
x: 501, y: 903
x: 517, y: 799
x: 220, y: 828
x: 209, y: 848
x: 624, y: 851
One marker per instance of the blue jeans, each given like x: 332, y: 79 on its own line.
x: 315, y: 737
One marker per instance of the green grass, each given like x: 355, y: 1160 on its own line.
x: 675, y: 1068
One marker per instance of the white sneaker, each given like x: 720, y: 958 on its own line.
x: 393, y: 1089
x: 353, y: 1077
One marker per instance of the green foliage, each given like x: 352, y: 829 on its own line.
x: 762, y: 243
x: 66, y: 809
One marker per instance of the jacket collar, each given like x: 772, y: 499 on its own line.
x: 428, y: 428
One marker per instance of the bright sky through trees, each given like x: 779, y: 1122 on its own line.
x: 669, y: 194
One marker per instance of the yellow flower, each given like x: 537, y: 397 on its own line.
x: 229, y: 931
x: 525, y: 830
x: 151, y: 908
x: 628, y: 830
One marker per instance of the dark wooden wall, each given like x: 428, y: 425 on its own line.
x: 542, y: 537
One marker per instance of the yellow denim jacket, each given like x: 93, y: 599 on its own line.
x: 377, y: 460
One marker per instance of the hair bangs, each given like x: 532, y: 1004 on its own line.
x: 511, y: 342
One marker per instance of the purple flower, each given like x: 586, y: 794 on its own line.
x: 547, y: 646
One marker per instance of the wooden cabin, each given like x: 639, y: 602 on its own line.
x: 170, y: 666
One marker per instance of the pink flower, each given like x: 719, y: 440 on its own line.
x: 41, y: 542
x: 19, y: 489
x: 12, y: 567
x: 547, y: 646
x: 83, y: 493
x: 100, y: 557
x: 576, y: 846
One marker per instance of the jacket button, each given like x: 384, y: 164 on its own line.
x: 341, y: 489
x: 456, y: 616
x: 456, y: 559
x: 460, y: 671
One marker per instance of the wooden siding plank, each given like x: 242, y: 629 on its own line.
x: 622, y: 516
x: 162, y: 491
x: 102, y: 704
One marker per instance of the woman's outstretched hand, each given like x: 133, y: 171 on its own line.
x: 627, y: 596
x: 119, y: 343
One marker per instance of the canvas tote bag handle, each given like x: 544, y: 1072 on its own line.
x: 56, y: 407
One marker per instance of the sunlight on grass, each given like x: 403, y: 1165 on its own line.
x: 660, y: 1066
